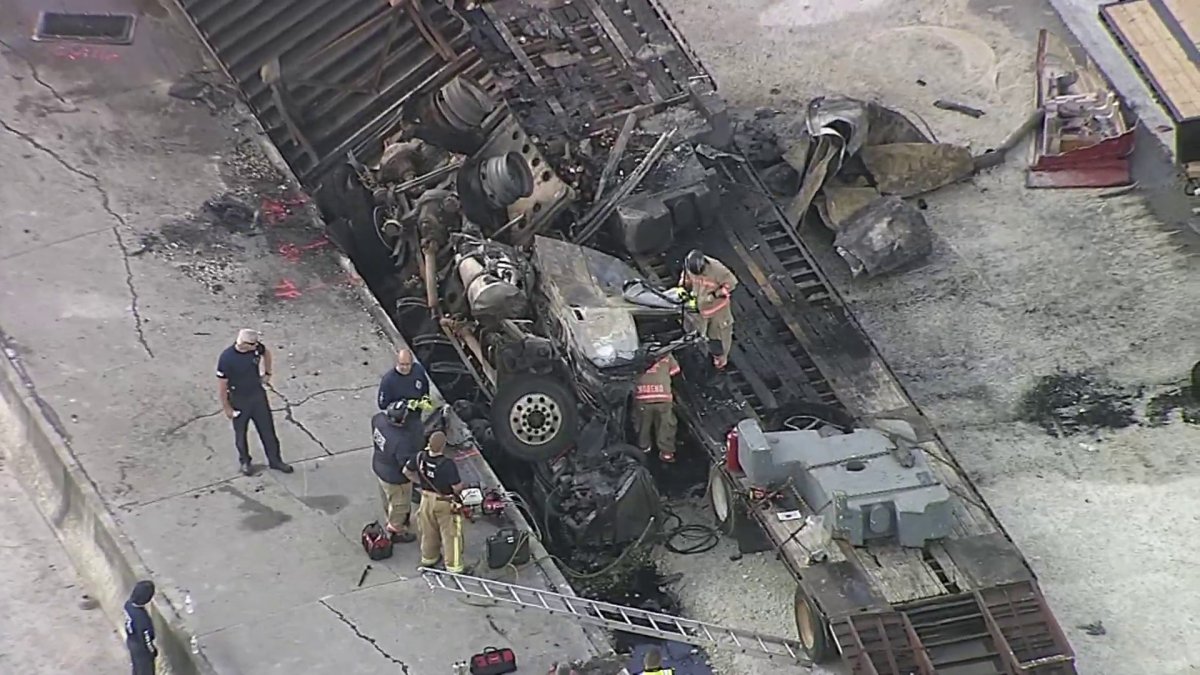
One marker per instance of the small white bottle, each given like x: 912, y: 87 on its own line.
x: 187, y: 604
x: 195, y: 645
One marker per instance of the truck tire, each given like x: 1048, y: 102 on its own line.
x: 813, y: 628
x: 534, y: 418
x: 721, y: 498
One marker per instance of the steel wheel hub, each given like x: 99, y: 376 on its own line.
x: 535, y: 419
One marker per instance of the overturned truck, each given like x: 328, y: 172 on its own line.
x: 520, y: 181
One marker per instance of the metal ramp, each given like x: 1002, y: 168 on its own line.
x: 617, y: 617
x: 1002, y: 630
x: 883, y: 638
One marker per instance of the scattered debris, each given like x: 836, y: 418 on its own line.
x: 205, y: 86
x: 884, y: 236
x: 994, y: 156
x: 958, y: 108
x: 1108, y: 194
x: 1160, y: 408
x: 1095, y: 628
x: 853, y: 155
x: 910, y: 169
x: 229, y: 212
x: 1066, y: 403
x: 88, y: 603
x: 1084, y: 140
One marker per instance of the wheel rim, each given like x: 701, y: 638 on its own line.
x: 535, y: 419
x: 720, y: 498
x: 805, y: 624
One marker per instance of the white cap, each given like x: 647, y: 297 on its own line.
x: 248, y: 336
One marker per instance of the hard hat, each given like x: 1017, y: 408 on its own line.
x: 397, y: 412
x: 694, y: 262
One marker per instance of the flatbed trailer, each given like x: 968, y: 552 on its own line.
x: 964, y: 605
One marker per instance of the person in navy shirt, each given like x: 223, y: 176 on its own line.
x: 139, y: 629
x: 397, y: 434
x: 408, y: 381
x: 242, y: 370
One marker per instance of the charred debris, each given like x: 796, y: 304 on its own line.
x: 508, y: 225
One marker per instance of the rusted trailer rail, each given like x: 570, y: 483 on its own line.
x: 337, y: 75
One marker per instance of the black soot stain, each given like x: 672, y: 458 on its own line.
x: 1064, y: 404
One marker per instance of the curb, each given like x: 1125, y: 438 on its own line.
x: 39, y: 452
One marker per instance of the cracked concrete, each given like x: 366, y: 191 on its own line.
x: 370, y: 640
x: 116, y: 228
x: 92, y: 241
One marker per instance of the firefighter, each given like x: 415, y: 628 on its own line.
x: 243, y: 370
x: 398, y: 435
x: 652, y: 663
x: 654, y: 409
x: 407, y: 381
x: 439, y: 517
x: 711, y: 284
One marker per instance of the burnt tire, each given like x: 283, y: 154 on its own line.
x: 721, y: 499
x: 812, y: 627
x: 534, y: 418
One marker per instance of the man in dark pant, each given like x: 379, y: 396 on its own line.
x: 242, y: 370
x: 139, y: 629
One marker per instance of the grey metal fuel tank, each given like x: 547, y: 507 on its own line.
x: 864, y: 486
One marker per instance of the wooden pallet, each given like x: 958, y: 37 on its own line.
x: 1162, y: 38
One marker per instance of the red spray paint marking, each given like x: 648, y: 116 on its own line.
x: 293, y: 253
x: 275, y: 211
x: 287, y: 289
x: 85, y: 53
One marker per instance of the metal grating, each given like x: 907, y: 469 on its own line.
x: 328, y: 77
x: 110, y: 29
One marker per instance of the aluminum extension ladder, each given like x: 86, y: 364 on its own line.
x: 617, y: 617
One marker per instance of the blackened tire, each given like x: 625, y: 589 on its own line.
x: 534, y: 418
x: 813, y: 628
x: 721, y: 498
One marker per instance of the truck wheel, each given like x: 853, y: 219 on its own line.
x: 720, y: 496
x: 534, y: 418
x: 812, y: 627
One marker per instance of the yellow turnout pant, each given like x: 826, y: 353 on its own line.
x: 441, y: 532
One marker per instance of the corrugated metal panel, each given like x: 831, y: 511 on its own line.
x: 347, y: 67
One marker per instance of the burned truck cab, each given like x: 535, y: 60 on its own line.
x: 597, y: 492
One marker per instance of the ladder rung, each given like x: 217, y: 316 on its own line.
x: 631, y: 619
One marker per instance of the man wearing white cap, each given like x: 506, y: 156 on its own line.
x: 242, y: 370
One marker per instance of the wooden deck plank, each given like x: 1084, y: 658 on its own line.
x: 1187, y: 13
x: 1165, y: 61
x: 900, y: 573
